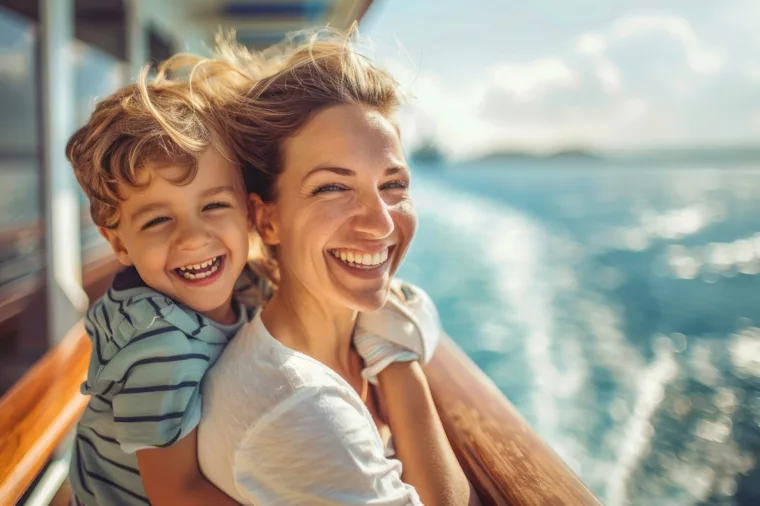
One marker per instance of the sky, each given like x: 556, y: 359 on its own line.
x: 482, y: 75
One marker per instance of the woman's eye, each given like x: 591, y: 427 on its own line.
x: 216, y: 205
x: 154, y: 222
x: 393, y: 185
x: 329, y: 188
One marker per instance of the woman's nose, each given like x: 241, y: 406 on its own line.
x: 373, y: 217
x: 191, y: 235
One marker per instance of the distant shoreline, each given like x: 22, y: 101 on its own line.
x: 669, y: 156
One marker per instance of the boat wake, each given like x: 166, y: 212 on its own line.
x: 643, y: 417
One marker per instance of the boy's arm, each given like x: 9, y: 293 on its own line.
x: 172, y: 476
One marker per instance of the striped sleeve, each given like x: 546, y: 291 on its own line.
x: 155, y: 389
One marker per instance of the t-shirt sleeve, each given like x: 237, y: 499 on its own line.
x: 319, y: 447
x: 154, y: 382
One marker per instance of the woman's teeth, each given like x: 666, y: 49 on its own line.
x: 364, y: 260
x: 201, y: 270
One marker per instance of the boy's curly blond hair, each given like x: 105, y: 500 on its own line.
x: 159, y: 121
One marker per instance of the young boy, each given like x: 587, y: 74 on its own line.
x: 175, y: 212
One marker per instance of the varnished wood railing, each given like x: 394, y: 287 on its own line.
x: 39, y: 411
x: 506, y: 461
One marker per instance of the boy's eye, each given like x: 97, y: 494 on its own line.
x: 216, y: 205
x: 155, y: 221
x: 332, y: 187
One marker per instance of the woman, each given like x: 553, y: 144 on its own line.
x: 289, y: 417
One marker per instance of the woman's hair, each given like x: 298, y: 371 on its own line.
x: 326, y: 69
x: 264, y: 98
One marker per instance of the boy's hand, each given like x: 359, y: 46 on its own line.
x: 405, y: 329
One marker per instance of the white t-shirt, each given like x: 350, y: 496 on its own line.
x: 280, y: 427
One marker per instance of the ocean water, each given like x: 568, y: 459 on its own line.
x: 618, y: 308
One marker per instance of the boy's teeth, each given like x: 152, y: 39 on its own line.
x: 200, y: 275
x: 186, y: 269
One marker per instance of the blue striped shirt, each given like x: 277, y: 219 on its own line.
x: 149, y: 355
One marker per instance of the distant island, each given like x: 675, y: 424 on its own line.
x: 520, y: 156
x: 429, y: 155
x: 678, y: 155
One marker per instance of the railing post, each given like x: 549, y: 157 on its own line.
x: 65, y: 297
x: 137, y: 36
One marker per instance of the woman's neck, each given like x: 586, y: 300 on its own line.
x: 303, y: 322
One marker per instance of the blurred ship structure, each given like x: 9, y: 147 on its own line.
x: 427, y: 154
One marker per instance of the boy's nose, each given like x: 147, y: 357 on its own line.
x: 192, y: 237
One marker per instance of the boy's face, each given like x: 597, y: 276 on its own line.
x: 189, y: 242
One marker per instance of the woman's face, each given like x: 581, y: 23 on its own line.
x: 343, y: 217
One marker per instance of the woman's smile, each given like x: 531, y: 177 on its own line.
x: 360, y: 259
x: 362, y: 265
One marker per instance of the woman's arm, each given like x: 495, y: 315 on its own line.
x: 172, y: 476
x: 429, y: 463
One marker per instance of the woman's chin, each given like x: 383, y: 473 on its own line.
x: 367, y: 301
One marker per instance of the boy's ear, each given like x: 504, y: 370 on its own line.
x: 117, y: 245
x: 264, y: 219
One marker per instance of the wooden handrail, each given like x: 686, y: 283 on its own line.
x: 39, y: 411
x: 507, y: 463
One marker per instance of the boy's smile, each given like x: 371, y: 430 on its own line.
x: 201, y: 271
x: 187, y: 239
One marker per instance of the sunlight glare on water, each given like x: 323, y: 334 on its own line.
x: 616, y: 309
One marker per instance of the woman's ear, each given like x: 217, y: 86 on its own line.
x: 264, y: 219
x: 117, y: 245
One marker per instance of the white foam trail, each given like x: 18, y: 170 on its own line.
x: 638, y: 431
x: 611, y: 347
x: 514, y: 248
x: 515, y: 251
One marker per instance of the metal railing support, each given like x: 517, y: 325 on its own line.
x: 66, y: 299
x: 137, y: 36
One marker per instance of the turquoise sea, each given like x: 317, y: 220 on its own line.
x: 618, y: 307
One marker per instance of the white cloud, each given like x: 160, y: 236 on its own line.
x: 529, y: 81
x: 641, y: 80
x: 609, y: 76
x: 752, y: 70
x: 591, y: 44
x: 700, y: 58
x: 444, y: 110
